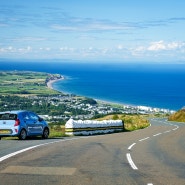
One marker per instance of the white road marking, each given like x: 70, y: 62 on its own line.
x: 35, y: 146
x: 157, y: 134
x: 134, y: 167
x: 129, y: 148
x: 144, y: 139
x: 24, y: 150
x: 167, y: 131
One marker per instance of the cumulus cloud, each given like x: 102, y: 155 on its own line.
x: 120, y: 51
x: 155, y: 46
x: 161, y: 45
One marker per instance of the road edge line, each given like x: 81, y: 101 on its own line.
x: 134, y: 167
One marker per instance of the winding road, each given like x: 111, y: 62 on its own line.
x: 151, y: 156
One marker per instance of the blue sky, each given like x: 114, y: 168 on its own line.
x: 98, y: 30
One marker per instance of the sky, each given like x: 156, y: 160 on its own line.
x: 93, y: 30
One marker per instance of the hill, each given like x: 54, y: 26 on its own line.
x: 178, y: 116
x: 25, y: 83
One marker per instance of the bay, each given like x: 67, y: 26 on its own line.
x: 146, y: 84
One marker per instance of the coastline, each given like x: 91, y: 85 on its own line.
x: 141, y: 107
x: 49, y: 84
x: 157, y: 92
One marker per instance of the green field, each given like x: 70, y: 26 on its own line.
x: 24, y: 83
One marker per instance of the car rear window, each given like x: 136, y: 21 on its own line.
x: 8, y: 116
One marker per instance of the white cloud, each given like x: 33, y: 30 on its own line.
x: 11, y: 49
x: 120, y: 46
x: 8, y: 49
x: 64, y: 28
x: 87, y: 25
x: 156, y: 46
x: 154, y: 50
x: 140, y: 49
x: 161, y: 45
x: 67, y: 49
x: 28, y: 39
x: 29, y: 48
x: 47, y: 49
x: 175, y: 45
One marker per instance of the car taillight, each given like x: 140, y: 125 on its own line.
x: 17, y: 122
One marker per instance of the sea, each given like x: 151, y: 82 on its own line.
x: 156, y: 85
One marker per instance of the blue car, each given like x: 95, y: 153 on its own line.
x: 22, y: 124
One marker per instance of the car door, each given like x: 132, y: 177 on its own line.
x: 28, y: 122
x: 36, y: 126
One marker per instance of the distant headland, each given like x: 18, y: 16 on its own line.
x: 53, y: 78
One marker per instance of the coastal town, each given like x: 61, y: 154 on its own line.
x: 87, y: 108
x: 61, y: 107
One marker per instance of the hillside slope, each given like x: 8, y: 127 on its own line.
x: 178, y: 116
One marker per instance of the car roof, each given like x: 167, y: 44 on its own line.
x: 14, y: 111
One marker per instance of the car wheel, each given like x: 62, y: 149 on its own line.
x: 23, y: 134
x: 45, y: 134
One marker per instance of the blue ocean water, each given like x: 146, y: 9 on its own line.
x: 154, y: 85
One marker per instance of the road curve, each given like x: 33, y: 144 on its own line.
x: 154, y: 155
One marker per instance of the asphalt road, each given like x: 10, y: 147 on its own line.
x: 152, y: 156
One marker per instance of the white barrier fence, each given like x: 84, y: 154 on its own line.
x: 91, y: 127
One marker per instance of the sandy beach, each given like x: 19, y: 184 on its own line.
x: 50, y: 82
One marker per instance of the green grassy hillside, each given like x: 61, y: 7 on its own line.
x: 24, y: 83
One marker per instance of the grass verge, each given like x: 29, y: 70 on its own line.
x: 131, y: 122
x: 57, y: 131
